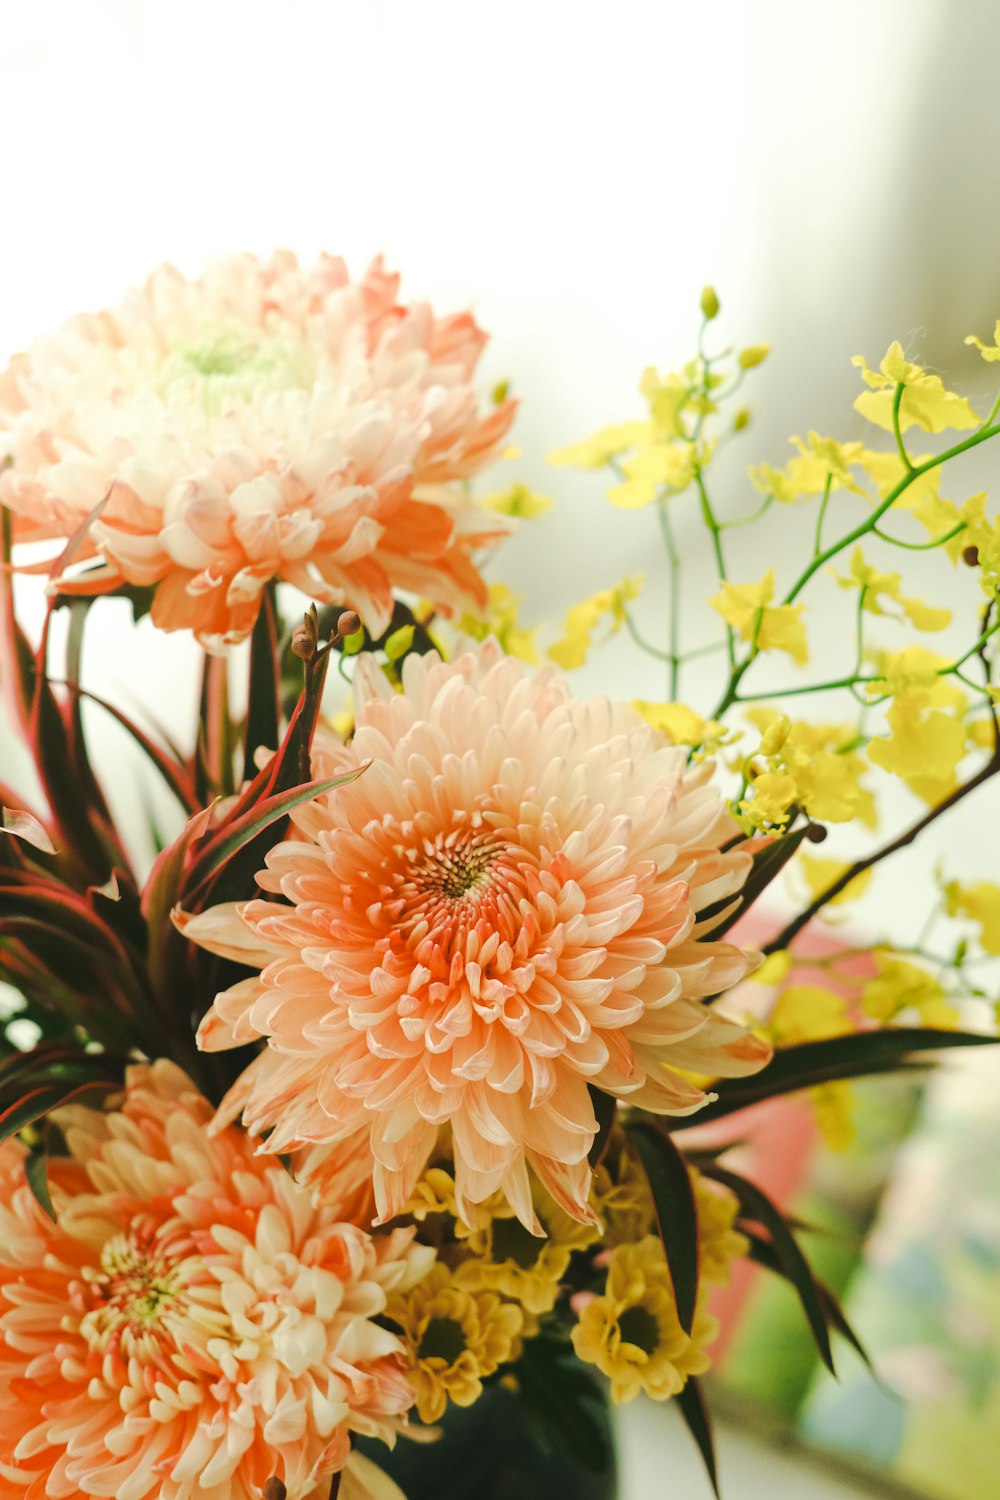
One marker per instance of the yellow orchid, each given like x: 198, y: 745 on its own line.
x: 747, y: 608
x: 925, y: 401
x: 582, y: 620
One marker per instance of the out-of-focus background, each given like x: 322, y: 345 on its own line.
x: 576, y: 172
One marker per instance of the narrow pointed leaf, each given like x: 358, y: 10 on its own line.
x: 763, y: 1253
x: 676, y: 1215
x: 694, y: 1409
x: 40, y: 1102
x: 36, y: 1170
x: 855, y: 1055
x: 759, y: 1208
x: 605, y: 1109
x: 767, y: 865
x: 263, y: 704
x: 235, y: 834
x: 173, y: 771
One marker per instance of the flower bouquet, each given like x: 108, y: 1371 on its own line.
x: 373, y: 1101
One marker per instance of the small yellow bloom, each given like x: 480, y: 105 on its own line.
x: 925, y: 401
x: 902, y: 986
x: 620, y: 1195
x: 820, y: 875
x: 683, y: 725
x: 505, y: 1257
x: 818, y: 459
x: 594, y: 452
x: 719, y: 1244
x: 501, y: 621
x: 776, y: 967
x: 747, y: 608
x: 878, y: 586
x: 433, y: 1194
x: 582, y: 620
x: 519, y: 501
x: 773, y: 795
x: 923, y: 748
x: 652, y: 469
x: 990, y: 352
x: 981, y: 902
x: 832, y: 1106
x: 807, y: 1013
x: 633, y: 1334
x: 668, y: 398
x: 454, y: 1337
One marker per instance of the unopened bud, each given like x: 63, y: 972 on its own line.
x: 754, y: 355
x: 709, y: 304
x: 305, y: 637
x: 348, y: 624
x: 274, y: 1489
x: 815, y: 833
x: 741, y: 419
x: 970, y: 557
x: 774, y: 737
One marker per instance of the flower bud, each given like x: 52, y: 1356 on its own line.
x: 274, y: 1489
x: 348, y: 624
x: 774, y: 737
x: 305, y: 637
x: 816, y: 833
x: 741, y: 419
x: 970, y: 557
x: 754, y: 355
x: 709, y: 304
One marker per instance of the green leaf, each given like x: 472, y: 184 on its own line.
x: 232, y: 836
x: 694, y: 1410
x: 605, y: 1109
x: 856, y: 1055
x: 37, y: 1174
x: 763, y: 1253
x: 263, y: 705
x: 758, y: 1207
x: 563, y: 1402
x: 767, y: 865
x: 676, y: 1215
x: 36, y: 1104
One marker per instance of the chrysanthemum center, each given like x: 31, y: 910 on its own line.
x: 454, y: 873
x: 444, y: 1339
x: 639, y: 1327
x: 132, y: 1294
x: 231, y: 366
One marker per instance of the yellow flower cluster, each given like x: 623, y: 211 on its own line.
x: 633, y: 1334
x: 902, y: 989
x: 981, y: 903
x: 813, y: 766
x: 926, y: 722
x: 501, y: 620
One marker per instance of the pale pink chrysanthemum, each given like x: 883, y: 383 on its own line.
x: 191, y: 1325
x: 264, y: 421
x: 500, y: 911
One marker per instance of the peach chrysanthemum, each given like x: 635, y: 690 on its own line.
x: 500, y: 911
x: 263, y: 421
x: 191, y: 1325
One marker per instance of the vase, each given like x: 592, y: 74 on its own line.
x: 488, y: 1451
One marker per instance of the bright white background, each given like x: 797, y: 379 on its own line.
x: 576, y: 172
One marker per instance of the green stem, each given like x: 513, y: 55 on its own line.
x: 982, y: 435
x: 754, y: 515
x: 938, y: 541
x: 818, y: 538
x: 897, y: 430
x: 674, y: 603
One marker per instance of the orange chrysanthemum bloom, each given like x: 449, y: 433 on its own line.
x: 500, y: 911
x: 262, y: 422
x: 191, y: 1325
